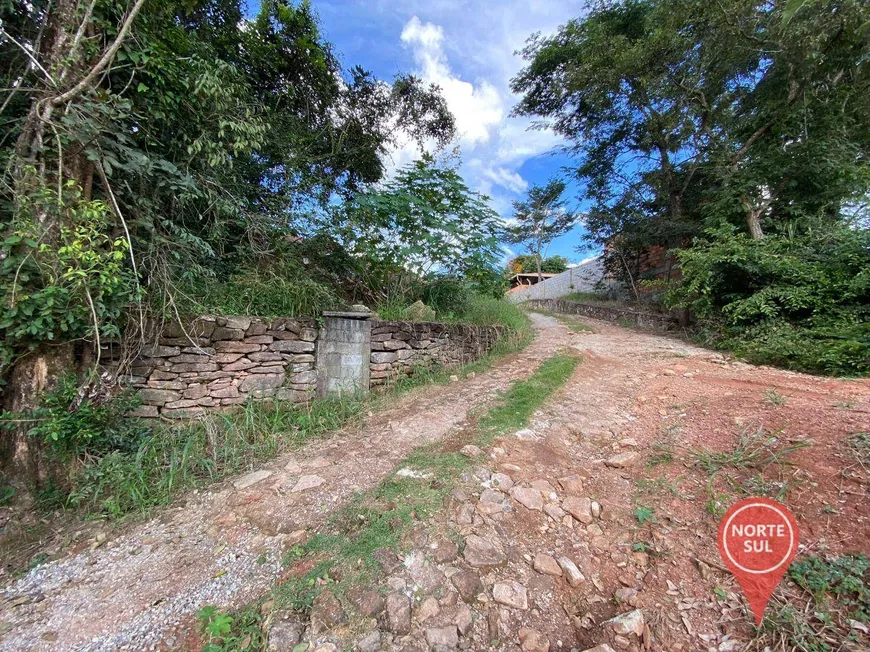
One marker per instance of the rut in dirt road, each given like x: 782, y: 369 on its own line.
x: 223, y: 546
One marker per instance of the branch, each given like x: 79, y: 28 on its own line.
x: 104, y: 60
x: 33, y: 60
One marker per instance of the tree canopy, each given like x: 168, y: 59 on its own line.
x: 158, y: 144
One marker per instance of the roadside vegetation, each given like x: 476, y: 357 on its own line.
x: 343, y: 556
x: 722, y: 148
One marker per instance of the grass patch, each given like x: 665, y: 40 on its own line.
x: 754, y: 450
x: 833, y: 596
x: 774, y: 398
x: 343, y: 554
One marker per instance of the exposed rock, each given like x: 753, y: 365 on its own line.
x: 626, y: 595
x: 528, y: 498
x: 326, y: 612
x: 546, y: 565
x: 471, y: 450
x: 572, y: 484
x: 622, y: 460
x: 480, y: 552
x: 251, y: 479
x: 371, y: 642
x: 398, y: 608
x: 387, y: 560
x: 627, y: 623
x: 442, y: 637
x: 307, y: 482
x: 595, y: 509
x: 511, y: 594
x: 579, y: 507
x: 575, y: 577
x: 526, y: 434
x: 419, y: 311
x: 554, y: 511
x: 501, y: 481
x: 463, y: 619
x: 492, y: 496
x: 284, y: 633
x: 531, y: 640
x: 428, y: 609
x: 366, y: 601
x: 446, y: 551
x: 468, y: 584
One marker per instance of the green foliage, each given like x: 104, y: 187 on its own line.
x: 753, y: 450
x: 799, y: 301
x: 643, y: 513
x: 539, y: 219
x: 446, y: 294
x: 425, y: 219
x: 60, y: 283
x: 179, y: 457
x: 76, y: 420
x: 524, y: 264
x: 840, y: 596
x: 524, y: 397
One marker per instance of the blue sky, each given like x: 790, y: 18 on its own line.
x: 466, y: 47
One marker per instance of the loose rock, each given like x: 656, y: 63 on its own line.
x: 579, y: 507
x: 398, y: 613
x: 627, y: 623
x: 622, y: 460
x: 442, y: 636
x: 251, y: 479
x: 546, y: 565
x: 575, y: 577
x: 528, y: 498
x: 480, y: 552
x: 531, y: 640
x: 468, y: 584
x: 511, y: 594
x: 307, y: 482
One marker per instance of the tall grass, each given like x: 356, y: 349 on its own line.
x: 177, y: 457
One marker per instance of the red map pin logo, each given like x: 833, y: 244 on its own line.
x: 758, y: 538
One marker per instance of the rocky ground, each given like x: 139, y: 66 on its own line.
x: 592, y: 529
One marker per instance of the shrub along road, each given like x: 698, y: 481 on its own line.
x: 605, y: 505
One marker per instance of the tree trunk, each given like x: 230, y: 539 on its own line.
x: 538, y: 263
x: 753, y: 221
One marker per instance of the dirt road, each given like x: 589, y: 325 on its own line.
x: 635, y: 396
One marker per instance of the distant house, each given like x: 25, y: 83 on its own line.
x: 520, y: 281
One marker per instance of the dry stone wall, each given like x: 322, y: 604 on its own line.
x: 399, y: 348
x: 217, y: 362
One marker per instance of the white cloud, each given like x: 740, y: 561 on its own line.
x: 477, y: 108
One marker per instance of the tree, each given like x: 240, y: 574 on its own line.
x: 425, y: 219
x: 688, y: 115
x: 539, y: 219
x: 524, y: 264
x: 185, y: 136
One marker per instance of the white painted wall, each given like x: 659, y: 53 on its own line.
x: 582, y: 278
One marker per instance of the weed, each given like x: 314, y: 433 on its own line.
x: 845, y: 405
x: 657, y: 485
x: 754, y: 450
x: 858, y: 445
x: 774, y: 398
x: 821, y: 619
x: 643, y: 513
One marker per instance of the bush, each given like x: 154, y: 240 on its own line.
x: 445, y: 295
x: 798, y: 301
x: 75, y: 420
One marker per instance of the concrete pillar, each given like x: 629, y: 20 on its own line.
x: 343, y: 353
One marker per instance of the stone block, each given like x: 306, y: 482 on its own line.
x: 292, y: 346
x: 166, y: 384
x: 184, y: 403
x: 226, y: 358
x: 198, y: 350
x: 197, y: 368
x: 190, y: 358
x: 268, y: 368
x: 260, y: 339
x: 183, y: 413
x: 243, y: 364
x: 261, y: 382
x: 380, y: 358
x: 304, y: 377
x: 257, y: 327
x: 144, y: 412
x: 235, y: 323
x: 158, y: 351
x: 237, y: 347
x: 223, y: 333
x: 308, y: 334
x: 395, y: 345
x: 158, y: 396
x: 230, y: 391
x: 196, y: 391
x: 266, y: 356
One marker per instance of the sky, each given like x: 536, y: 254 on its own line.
x: 468, y: 48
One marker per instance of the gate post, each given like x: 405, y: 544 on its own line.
x: 344, y: 349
